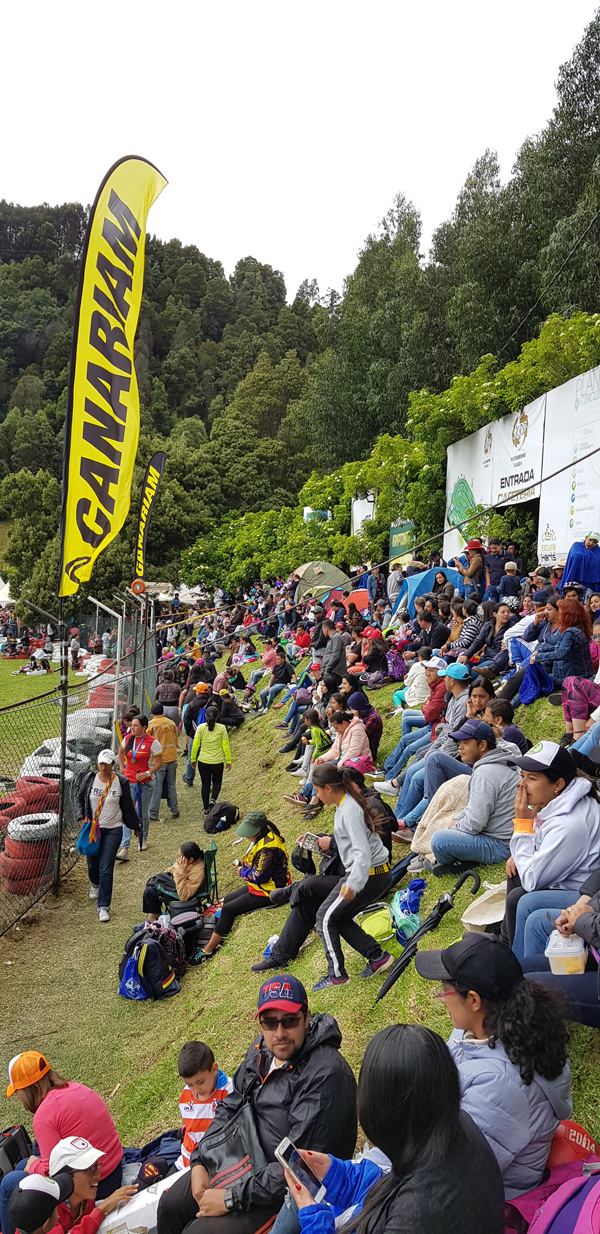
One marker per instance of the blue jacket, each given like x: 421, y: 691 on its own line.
x: 372, y: 588
x: 517, y: 1120
x: 569, y: 657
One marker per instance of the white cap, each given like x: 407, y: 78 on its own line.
x: 435, y: 662
x: 106, y: 756
x: 74, y: 1152
x: 39, y: 1182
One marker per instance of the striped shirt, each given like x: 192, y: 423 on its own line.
x: 198, y: 1115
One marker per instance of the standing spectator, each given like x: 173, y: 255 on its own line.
x: 473, y: 571
x: 211, y: 750
x: 494, y: 563
x: 140, y: 755
x: 106, y: 797
x: 75, y: 648
x: 509, y: 586
x: 168, y: 693
x: 165, y: 731
x: 376, y: 586
x: 106, y: 644
x: 334, y: 656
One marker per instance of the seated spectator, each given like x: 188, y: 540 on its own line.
x: 280, y: 679
x: 268, y: 661
x: 296, y: 1083
x: 442, y: 587
x: 556, y: 840
x: 570, y: 655
x: 509, y: 1042
x: 489, y: 642
x: 582, y: 917
x: 432, y: 634
x: 76, y: 1169
x: 316, y: 742
x: 301, y: 642
x: 415, y: 689
x: 374, y: 657
x: 350, y: 746
x: 483, y: 829
x: 366, y: 876
x: 462, y: 634
x: 499, y: 714
x: 533, y: 634
x: 264, y: 866
x: 443, y: 1174
x: 182, y: 881
x: 166, y: 733
x: 33, y: 1205
x: 363, y: 710
x: 416, y: 728
x: 205, y: 1086
x: 58, y: 1106
x: 581, y: 697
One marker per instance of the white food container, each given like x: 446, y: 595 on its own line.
x: 567, y: 956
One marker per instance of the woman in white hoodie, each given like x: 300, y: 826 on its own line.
x: 556, y: 838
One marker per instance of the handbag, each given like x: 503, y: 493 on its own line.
x: 234, y: 1150
x: 88, y: 840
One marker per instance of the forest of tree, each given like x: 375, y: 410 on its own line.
x: 264, y: 404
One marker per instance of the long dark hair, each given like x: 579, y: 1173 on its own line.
x: 408, y: 1106
x: 130, y: 740
x: 337, y: 777
x: 211, y: 718
x: 529, y: 1022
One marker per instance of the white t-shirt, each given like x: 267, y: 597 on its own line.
x: 111, y: 815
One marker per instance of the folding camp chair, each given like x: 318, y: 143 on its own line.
x: 208, y: 895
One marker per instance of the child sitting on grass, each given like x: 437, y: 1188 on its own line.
x: 205, y: 1084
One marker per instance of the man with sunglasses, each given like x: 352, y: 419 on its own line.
x: 297, y: 1084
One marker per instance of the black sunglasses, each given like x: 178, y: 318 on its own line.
x: 271, y: 1022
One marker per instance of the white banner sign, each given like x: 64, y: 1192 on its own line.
x: 570, y: 503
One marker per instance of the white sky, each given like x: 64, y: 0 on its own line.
x: 284, y: 130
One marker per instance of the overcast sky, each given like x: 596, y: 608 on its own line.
x: 285, y: 129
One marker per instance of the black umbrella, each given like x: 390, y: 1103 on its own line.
x: 439, y: 910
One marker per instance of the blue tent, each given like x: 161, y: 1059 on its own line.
x: 420, y: 585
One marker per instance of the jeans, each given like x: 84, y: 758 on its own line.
x: 437, y: 768
x: 589, y: 740
x: 448, y: 846
x: 101, y: 864
x: 267, y: 696
x: 288, y: 1221
x: 146, y: 794
x: 533, y: 928
x: 412, y: 789
x: 167, y: 772
x: 490, y: 593
x: 412, y: 720
x: 256, y: 675
x: 295, y: 710
x: 410, y: 744
x: 580, y: 991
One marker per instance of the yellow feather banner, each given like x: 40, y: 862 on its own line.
x: 103, y: 414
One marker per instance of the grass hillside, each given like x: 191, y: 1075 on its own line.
x: 60, y: 965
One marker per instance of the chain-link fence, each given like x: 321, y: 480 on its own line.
x: 31, y: 852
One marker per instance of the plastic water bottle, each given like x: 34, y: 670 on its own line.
x: 164, y: 920
x: 270, y: 945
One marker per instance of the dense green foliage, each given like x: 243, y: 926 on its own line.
x: 256, y: 400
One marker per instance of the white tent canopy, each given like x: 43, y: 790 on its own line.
x: 5, y: 596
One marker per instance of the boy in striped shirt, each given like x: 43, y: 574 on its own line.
x: 205, y: 1084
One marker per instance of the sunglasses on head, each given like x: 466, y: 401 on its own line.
x: 272, y: 1022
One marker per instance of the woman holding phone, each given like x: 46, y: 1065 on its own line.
x: 443, y: 1173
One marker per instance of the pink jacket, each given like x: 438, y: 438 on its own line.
x: 354, y: 743
x: 75, y: 1110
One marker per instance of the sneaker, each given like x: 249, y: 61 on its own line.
x: 375, y: 966
x: 386, y: 787
x: 200, y: 957
x: 404, y: 835
x: 123, y: 854
x: 566, y: 740
x: 264, y: 965
x: 293, y: 766
x: 103, y: 914
x: 297, y: 772
x: 282, y: 725
x: 175, y: 816
x: 295, y: 799
x: 416, y: 865
x: 326, y: 981
x: 93, y: 892
x: 280, y: 895
x: 143, y: 846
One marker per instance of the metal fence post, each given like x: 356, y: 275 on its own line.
x: 64, y: 703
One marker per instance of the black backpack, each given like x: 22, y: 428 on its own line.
x: 14, y: 1146
x: 192, y: 930
x: 221, y: 817
x: 168, y: 939
x: 154, y: 971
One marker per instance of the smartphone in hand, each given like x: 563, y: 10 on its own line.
x: 288, y: 1156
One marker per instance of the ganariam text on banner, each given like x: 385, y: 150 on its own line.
x: 150, y: 488
x: 103, y: 414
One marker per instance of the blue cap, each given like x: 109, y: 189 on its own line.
x: 475, y: 730
x: 282, y: 994
x: 460, y: 672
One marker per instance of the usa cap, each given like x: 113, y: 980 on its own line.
x: 282, y: 994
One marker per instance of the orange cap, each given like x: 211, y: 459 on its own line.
x: 25, y: 1069
x: 201, y: 688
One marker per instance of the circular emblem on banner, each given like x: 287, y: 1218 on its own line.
x: 138, y: 586
x: 519, y: 429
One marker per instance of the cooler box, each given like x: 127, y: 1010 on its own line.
x: 567, y: 956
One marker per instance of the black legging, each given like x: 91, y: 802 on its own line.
x: 514, y: 891
x: 237, y: 904
x: 512, y: 685
x: 305, y: 901
x: 211, y: 778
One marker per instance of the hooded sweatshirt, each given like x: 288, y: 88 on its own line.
x: 456, y: 713
x: 417, y: 690
x: 493, y: 783
x: 518, y: 1120
x: 565, y: 845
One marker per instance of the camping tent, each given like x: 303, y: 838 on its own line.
x: 317, y: 578
x: 5, y: 596
x: 419, y: 585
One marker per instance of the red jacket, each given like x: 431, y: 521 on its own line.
x: 433, y: 707
x: 89, y: 1223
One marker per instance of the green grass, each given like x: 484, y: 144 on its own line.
x: 60, y: 965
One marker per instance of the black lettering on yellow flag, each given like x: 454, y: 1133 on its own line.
x: 103, y: 414
x: 150, y: 487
